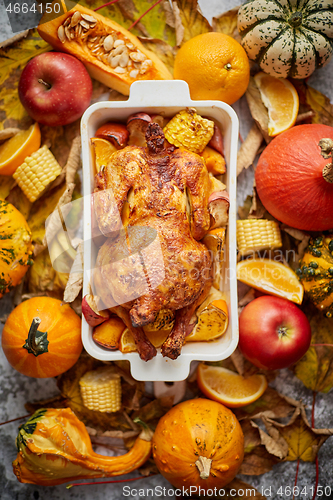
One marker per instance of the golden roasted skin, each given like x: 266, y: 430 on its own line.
x: 152, y: 204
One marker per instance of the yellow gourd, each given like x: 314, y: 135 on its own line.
x: 54, y: 447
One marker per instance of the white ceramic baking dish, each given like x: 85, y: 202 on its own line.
x: 167, y: 97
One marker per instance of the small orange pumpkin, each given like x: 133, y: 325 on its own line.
x: 198, y: 443
x: 42, y: 337
x: 16, y: 247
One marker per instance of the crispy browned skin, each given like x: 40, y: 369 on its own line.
x: 159, y: 191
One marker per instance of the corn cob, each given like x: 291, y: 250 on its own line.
x: 37, y: 172
x: 101, y: 389
x: 189, y: 130
x: 254, y: 235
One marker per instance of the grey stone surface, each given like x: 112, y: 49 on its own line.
x: 15, y: 389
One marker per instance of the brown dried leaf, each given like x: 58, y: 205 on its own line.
x: 6, y: 184
x: 75, y: 280
x: 315, y: 369
x: 173, y: 19
x: 257, y: 460
x: 257, y: 210
x: 7, y: 133
x: 68, y: 384
x: 321, y: 105
x: 193, y: 21
x: 274, y: 443
x: 162, y: 49
x: 40, y: 210
x: 257, y: 108
x: 271, y: 403
x: 249, y: 149
x: 302, y: 440
x: 153, y: 411
x: 227, y: 23
x: 17, y: 198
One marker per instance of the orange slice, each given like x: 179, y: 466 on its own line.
x: 14, y: 151
x: 228, y: 387
x: 127, y: 343
x: 212, y: 322
x: 271, y: 277
x: 103, y: 150
x: 281, y: 99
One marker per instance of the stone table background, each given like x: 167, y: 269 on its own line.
x: 16, y: 389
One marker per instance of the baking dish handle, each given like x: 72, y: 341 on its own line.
x: 160, y: 92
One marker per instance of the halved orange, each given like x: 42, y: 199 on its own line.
x: 229, y: 388
x: 14, y: 151
x: 212, y: 322
x: 272, y: 277
x: 281, y: 99
x: 103, y: 150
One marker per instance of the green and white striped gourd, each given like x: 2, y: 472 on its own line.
x: 287, y: 38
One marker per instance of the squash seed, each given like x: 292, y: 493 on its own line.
x: 76, y: 17
x: 61, y: 34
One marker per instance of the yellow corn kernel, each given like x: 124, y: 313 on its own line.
x: 37, y: 172
x: 254, y: 235
x: 101, y: 389
x: 189, y: 130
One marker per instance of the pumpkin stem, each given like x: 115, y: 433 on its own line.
x: 326, y: 146
x: 204, y: 465
x: 37, y: 342
x: 295, y: 19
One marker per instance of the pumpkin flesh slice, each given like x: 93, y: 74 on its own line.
x: 86, y: 41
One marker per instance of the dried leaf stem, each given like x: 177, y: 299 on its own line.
x: 312, y: 425
x: 105, y: 5
x: 139, y: 19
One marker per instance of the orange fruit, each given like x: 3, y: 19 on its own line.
x: 14, y: 151
x: 229, y: 388
x: 281, y: 99
x: 215, y: 66
x: 271, y: 277
x: 212, y: 322
x: 103, y: 150
x: 156, y: 337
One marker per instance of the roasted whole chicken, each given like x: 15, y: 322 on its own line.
x: 152, y: 205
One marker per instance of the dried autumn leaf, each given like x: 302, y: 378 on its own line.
x: 193, y: 21
x: 153, y: 411
x: 321, y: 105
x: 12, y: 60
x: 249, y: 149
x: 315, y: 369
x: 6, y: 184
x: 68, y: 384
x: 42, y: 277
x: 258, y: 110
x: 271, y: 403
x: 227, y: 23
x: 17, y: 198
x: 303, y: 441
x: 257, y: 460
x: 41, y: 209
x: 162, y: 49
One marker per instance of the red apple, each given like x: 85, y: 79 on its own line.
x: 273, y: 332
x: 55, y: 88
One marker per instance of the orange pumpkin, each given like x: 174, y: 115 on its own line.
x: 294, y: 177
x: 198, y: 443
x: 16, y: 247
x: 42, y: 337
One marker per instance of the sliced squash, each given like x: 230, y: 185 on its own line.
x: 111, y: 54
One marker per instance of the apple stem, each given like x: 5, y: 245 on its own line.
x: 47, y: 85
x: 282, y: 331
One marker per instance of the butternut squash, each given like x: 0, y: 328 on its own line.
x: 111, y: 54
